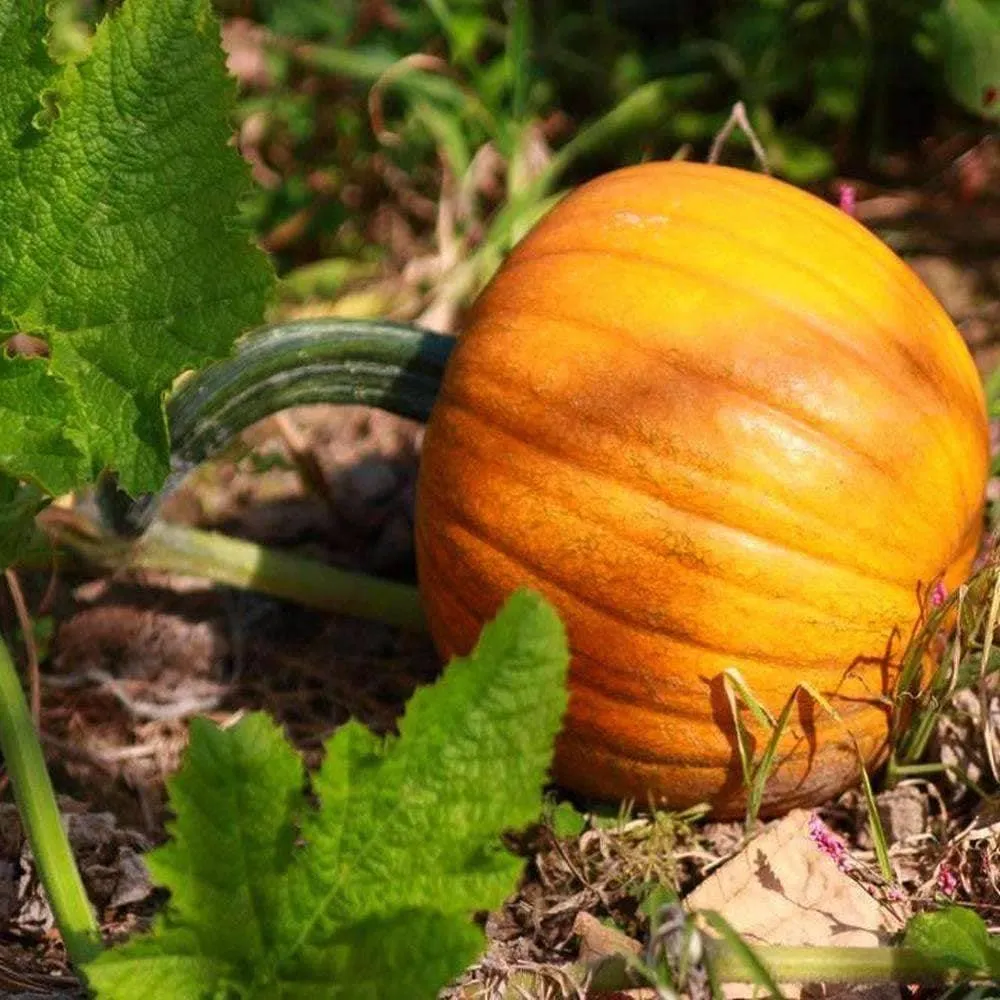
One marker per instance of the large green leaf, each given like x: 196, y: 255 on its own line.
x: 376, y: 899
x: 119, y: 236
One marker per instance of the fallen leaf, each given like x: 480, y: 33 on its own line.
x: 782, y: 889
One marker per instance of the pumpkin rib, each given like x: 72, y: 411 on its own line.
x: 829, y: 619
x: 713, y: 277
x: 831, y: 219
x: 575, y: 462
x: 461, y: 603
x: 730, y: 287
x: 813, y: 524
x: 794, y: 738
x: 592, y: 679
x: 799, y: 422
x: 890, y: 266
x: 588, y: 680
x: 823, y: 328
x: 681, y: 365
x: 669, y: 632
x: 849, y: 709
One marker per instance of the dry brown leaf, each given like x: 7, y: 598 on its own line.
x: 783, y: 890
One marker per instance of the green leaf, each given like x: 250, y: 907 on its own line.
x: 970, y: 47
x: 956, y: 937
x: 566, y: 821
x: 236, y: 800
x: 119, y: 239
x: 376, y: 900
x: 18, y: 507
x: 34, y: 411
x: 421, y: 816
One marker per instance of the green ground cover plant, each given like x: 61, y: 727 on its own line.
x: 404, y: 846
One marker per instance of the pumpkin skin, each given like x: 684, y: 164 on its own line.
x: 718, y: 424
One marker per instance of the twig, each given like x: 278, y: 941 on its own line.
x: 304, y: 459
x: 984, y: 699
x: 738, y: 118
x: 417, y: 62
x: 30, y: 646
x: 182, y: 708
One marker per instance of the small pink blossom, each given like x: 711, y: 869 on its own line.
x: 947, y: 880
x: 848, y: 199
x: 828, y: 842
x: 939, y: 594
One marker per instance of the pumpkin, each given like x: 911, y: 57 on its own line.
x: 719, y: 425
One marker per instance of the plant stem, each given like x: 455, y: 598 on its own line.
x: 834, y: 965
x: 617, y: 973
x: 174, y: 548
x: 36, y: 803
x: 363, y: 362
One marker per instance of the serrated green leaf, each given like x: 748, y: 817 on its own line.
x: 956, y: 937
x: 171, y: 964
x: 377, y: 899
x: 408, y: 955
x: 420, y: 817
x: 566, y: 821
x: 119, y: 239
x: 237, y: 800
x: 970, y: 47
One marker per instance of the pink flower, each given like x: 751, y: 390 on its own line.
x: 939, y: 594
x: 947, y: 880
x: 848, y: 198
x: 828, y: 842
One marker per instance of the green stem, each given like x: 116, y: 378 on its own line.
x: 172, y: 548
x: 394, y: 367
x: 365, y: 362
x: 896, y: 771
x: 617, y: 973
x: 36, y: 803
x: 835, y: 965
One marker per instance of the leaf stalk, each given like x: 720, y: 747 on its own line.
x: 36, y: 803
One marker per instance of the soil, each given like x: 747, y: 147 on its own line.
x: 132, y: 657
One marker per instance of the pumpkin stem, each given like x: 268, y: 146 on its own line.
x: 372, y: 363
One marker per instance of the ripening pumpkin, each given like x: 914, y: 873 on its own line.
x: 718, y: 424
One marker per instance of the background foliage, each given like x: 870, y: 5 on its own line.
x: 830, y: 86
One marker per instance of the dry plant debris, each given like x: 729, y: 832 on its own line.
x: 796, y: 884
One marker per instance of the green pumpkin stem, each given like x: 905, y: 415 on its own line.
x: 390, y: 366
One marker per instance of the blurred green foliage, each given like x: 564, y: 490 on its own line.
x: 354, y: 104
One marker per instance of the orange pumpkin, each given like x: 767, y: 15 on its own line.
x: 718, y: 424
